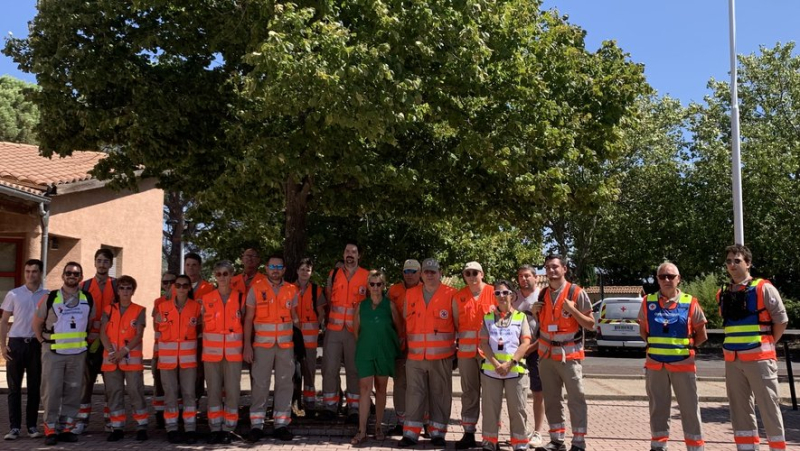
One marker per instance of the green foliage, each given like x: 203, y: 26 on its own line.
x: 705, y: 288
x: 18, y: 115
x: 793, y: 310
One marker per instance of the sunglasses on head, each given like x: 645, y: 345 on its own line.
x: 667, y: 276
x: 471, y: 273
x: 376, y: 284
x: 183, y: 285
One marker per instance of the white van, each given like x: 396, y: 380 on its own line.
x: 616, y: 324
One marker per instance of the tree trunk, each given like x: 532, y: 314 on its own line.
x: 296, y: 237
x: 174, y: 206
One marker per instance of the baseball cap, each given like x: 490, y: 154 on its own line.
x: 473, y: 265
x: 430, y: 263
x: 411, y: 264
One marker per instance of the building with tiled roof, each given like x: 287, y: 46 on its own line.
x: 617, y: 291
x: 53, y: 209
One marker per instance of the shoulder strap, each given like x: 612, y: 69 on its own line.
x: 87, y: 284
x: 542, y: 292
x: 572, y: 292
x: 313, y: 295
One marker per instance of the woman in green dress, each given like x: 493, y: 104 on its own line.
x: 375, y: 326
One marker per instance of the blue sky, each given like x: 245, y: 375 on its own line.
x: 682, y: 43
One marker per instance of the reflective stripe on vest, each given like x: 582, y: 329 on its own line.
x: 430, y: 330
x: 120, y: 330
x: 750, y: 338
x: 273, y: 316
x: 178, y: 342
x: 69, y: 330
x: 668, y: 337
x: 510, y: 339
x: 223, y: 332
x: 567, y: 342
x: 101, y: 299
x: 345, y: 295
x: 307, y: 313
x: 470, y: 317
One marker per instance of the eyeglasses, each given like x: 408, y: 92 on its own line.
x: 376, y: 284
x: 278, y: 267
x: 552, y: 267
x: 168, y: 282
x: 502, y: 293
x: 471, y: 273
x: 127, y: 288
x: 733, y: 261
x: 222, y: 274
x: 72, y: 273
x: 409, y: 271
x: 183, y: 286
x: 667, y: 276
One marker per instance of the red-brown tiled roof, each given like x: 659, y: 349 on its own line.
x: 616, y: 289
x: 21, y: 164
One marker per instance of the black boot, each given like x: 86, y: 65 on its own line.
x: 467, y: 441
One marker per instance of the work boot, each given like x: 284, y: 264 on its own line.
x: 576, y: 448
x: 255, y: 435
x: 116, y: 435
x: 406, y: 442
x: 190, y: 437
x: 283, y: 434
x: 327, y: 415
x: 174, y: 437
x: 488, y: 446
x: 160, y: 424
x: 467, y: 441
x: 396, y: 430
x: 51, y: 440
x: 439, y: 442
x: 553, y: 446
x: 67, y: 437
x: 225, y: 438
x: 141, y: 435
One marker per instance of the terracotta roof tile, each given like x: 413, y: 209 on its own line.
x: 21, y: 164
x: 25, y: 189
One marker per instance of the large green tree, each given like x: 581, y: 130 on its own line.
x: 18, y: 115
x: 283, y: 118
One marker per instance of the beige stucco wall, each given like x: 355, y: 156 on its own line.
x: 132, y: 222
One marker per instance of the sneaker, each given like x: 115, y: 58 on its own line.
x: 51, y: 440
x: 534, y: 439
x: 283, y: 434
x: 396, y: 430
x: 68, y: 437
x: 406, y: 442
x: 116, y: 435
x: 553, y: 446
x: 439, y: 442
x: 141, y: 435
x: 12, y: 435
x: 190, y: 438
x: 467, y: 441
x: 34, y: 433
x: 255, y: 435
x: 174, y: 437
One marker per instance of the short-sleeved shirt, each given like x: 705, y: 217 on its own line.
x: 696, y: 319
x: 583, y: 304
x: 50, y: 316
x: 525, y: 331
x: 21, y: 303
x: 525, y: 305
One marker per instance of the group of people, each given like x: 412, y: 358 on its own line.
x: 506, y: 339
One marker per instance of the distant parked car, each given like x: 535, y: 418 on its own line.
x: 616, y: 325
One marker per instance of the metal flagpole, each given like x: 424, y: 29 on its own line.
x: 736, y: 159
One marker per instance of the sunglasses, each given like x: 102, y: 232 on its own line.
x: 72, y: 273
x: 278, y: 267
x: 733, y: 261
x: 222, y: 274
x: 471, y: 273
x: 184, y: 286
x: 409, y: 271
x: 667, y: 276
x: 167, y: 282
x: 376, y: 284
x: 125, y: 288
x: 502, y: 293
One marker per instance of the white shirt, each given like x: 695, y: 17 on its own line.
x: 21, y: 302
x: 525, y: 304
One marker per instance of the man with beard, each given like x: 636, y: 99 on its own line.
x: 103, y: 290
x: 61, y: 324
x: 528, y: 295
x: 347, y: 288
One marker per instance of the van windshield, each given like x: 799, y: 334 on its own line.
x: 622, y: 310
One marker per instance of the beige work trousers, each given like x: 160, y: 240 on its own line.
x: 339, y: 344
x: 180, y: 383
x: 557, y: 375
x: 308, y: 369
x: 62, y: 380
x: 430, y: 387
x: 746, y: 381
x: 659, y: 394
x: 118, y: 383
x: 223, y: 377
x: 265, y: 361
x: 516, y: 394
x: 470, y: 372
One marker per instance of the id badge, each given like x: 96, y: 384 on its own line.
x: 552, y: 328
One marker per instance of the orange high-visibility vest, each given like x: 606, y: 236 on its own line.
x: 345, y: 296
x: 470, y: 318
x: 273, y: 316
x: 156, y: 333
x: 120, y: 330
x: 177, y: 344
x: 430, y: 329
x: 567, y: 336
x: 222, y: 327
x: 237, y: 282
x: 397, y: 294
x: 101, y: 300
x: 307, y: 312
